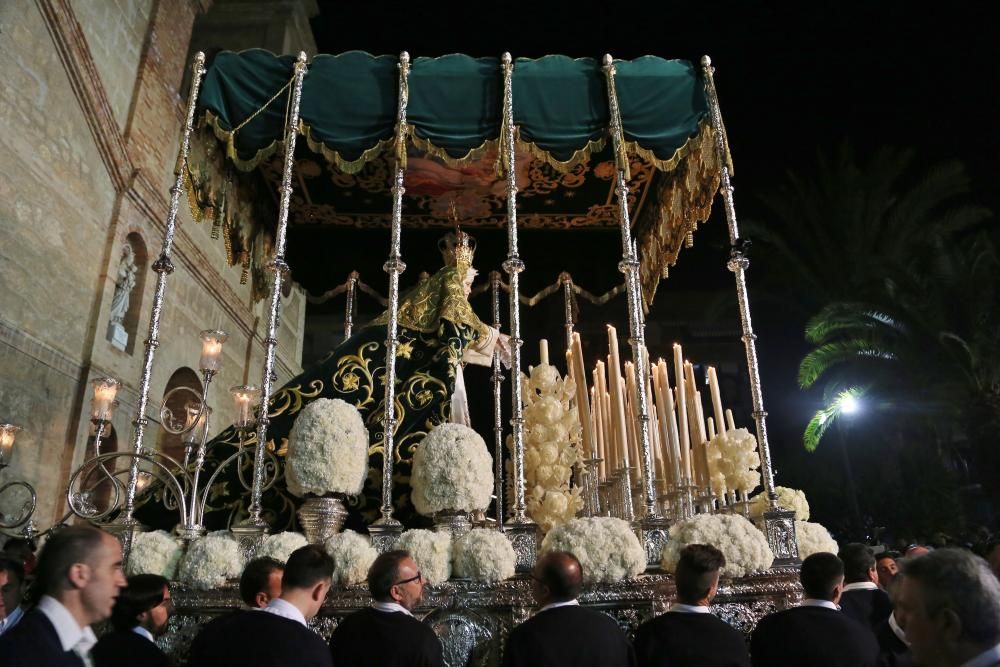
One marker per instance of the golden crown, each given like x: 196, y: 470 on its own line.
x: 457, y: 248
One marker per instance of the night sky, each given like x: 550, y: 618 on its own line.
x: 794, y: 80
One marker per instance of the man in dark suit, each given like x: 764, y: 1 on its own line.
x: 261, y: 581
x: 562, y: 632
x: 817, y: 633
x: 386, y: 634
x: 862, y: 598
x: 948, y: 603
x: 141, y: 614
x: 276, y: 635
x: 689, y: 635
x: 79, y: 574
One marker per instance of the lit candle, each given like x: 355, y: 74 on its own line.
x: 632, y: 392
x: 244, y: 396
x: 617, y: 398
x: 211, y: 349
x: 582, y: 404
x: 8, y: 432
x: 713, y: 385
x: 682, y: 416
x: 103, y: 402
x: 543, y: 351
x: 660, y: 390
x: 599, y: 422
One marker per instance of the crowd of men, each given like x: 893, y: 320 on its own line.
x: 937, y: 608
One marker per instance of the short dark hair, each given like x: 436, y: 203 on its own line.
x: 306, y: 567
x: 894, y: 555
x: 858, y: 560
x: 820, y: 574
x: 64, y: 548
x: 697, y: 569
x: 143, y: 592
x: 256, y: 576
x: 383, y: 573
x: 562, y: 574
x: 12, y: 566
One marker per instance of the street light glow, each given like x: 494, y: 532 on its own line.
x: 849, y: 405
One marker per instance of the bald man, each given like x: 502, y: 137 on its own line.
x: 562, y: 632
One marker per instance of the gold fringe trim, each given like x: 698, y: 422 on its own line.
x: 228, y: 138
x: 428, y: 147
x: 334, y: 157
x: 680, y: 153
x: 580, y: 156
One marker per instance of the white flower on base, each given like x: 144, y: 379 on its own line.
x: 352, y: 554
x: 814, y: 538
x: 431, y: 551
x: 744, y: 546
x: 483, y: 555
x: 327, y: 450
x: 210, y: 562
x: 606, y: 547
x: 733, y: 461
x: 788, y: 498
x: 154, y: 553
x: 281, y: 545
x: 452, y: 470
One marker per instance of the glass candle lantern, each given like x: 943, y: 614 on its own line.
x: 211, y: 349
x: 7, y: 434
x: 103, y: 402
x: 244, y: 397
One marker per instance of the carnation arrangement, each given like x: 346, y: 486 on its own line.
x: 352, y: 554
x: 551, y: 437
x: 210, y: 561
x: 430, y: 550
x: 281, y: 545
x: 733, y: 461
x: 790, y: 499
x: 813, y: 538
x: 744, y: 546
x: 483, y: 555
x: 327, y: 449
x: 606, y: 547
x: 452, y: 470
x: 154, y: 553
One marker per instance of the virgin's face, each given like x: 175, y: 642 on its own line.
x: 470, y: 276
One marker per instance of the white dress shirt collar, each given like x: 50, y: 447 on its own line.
x: 71, y: 636
x: 391, y: 607
x: 553, y: 605
x: 896, y: 630
x: 143, y: 632
x: 11, y: 620
x: 826, y: 604
x: 861, y: 586
x: 689, y: 608
x: 985, y: 659
x: 285, y: 609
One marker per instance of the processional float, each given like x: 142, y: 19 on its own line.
x: 258, y: 103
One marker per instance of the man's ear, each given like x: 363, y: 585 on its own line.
x: 949, y: 625
x: 261, y: 599
x: 79, y: 575
x: 320, y: 590
x: 142, y: 617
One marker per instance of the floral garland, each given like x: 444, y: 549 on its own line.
x: 606, y: 547
x: 210, y: 562
x: 483, y: 555
x: 430, y: 550
x: 814, y: 538
x: 744, y: 546
x: 551, y: 436
x: 281, y: 545
x: 327, y: 449
x: 154, y: 553
x: 733, y: 461
x: 452, y: 470
x: 790, y: 499
x: 352, y: 554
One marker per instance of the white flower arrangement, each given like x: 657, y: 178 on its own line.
x: 281, y: 545
x: 210, y: 562
x: 352, y: 554
x: 790, y: 499
x: 814, y: 538
x: 744, y: 546
x: 431, y: 551
x: 452, y: 470
x: 327, y: 449
x: 552, y: 432
x: 733, y: 461
x: 483, y: 555
x: 606, y: 547
x: 154, y: 553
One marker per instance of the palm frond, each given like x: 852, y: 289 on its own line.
x: 853, y: 317
x: 826, y: 356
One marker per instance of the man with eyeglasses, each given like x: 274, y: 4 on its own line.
x: 387, y: 634
x: 562, y: 632
x: 140, y: 615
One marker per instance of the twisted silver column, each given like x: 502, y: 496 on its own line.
x: 278, y: 271
x: 567, y: 286
x: 497, y: 404
x: 352, y: 290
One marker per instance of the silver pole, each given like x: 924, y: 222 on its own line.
x: 163, y: 267
x: 388, y: 527
x: 497, y: 405
x: 352, y: 289
x: 567, y: 285
x: 278, y: 271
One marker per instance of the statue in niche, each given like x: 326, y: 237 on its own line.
x: 124, y: 284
